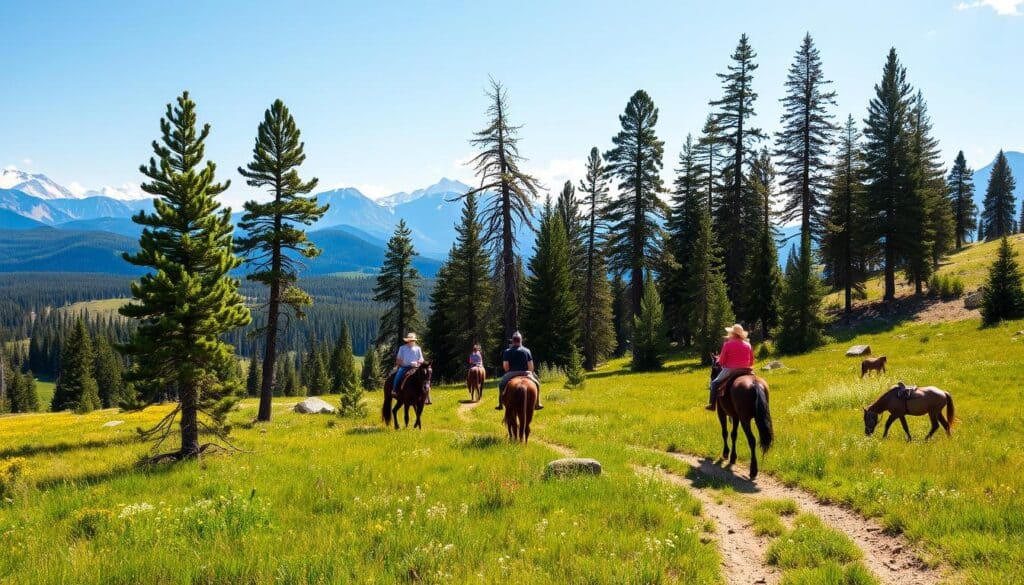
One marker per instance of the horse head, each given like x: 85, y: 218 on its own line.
x: 870, y: 422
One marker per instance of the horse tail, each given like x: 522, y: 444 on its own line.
x: 949, y: 409
x: 763, y: 418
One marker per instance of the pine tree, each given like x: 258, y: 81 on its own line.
x: 1003, y: 296
x: 551, y: 318
x: 636, y: 160
x: 254, y: 378
x: 737, y: 207
x: 597, y: 334
x: 650, y: 343
x: 25, y: 397
x: 896, y: 213
x: 802, y: 327
x: 396, y: 291
x: 343, y: 374
x: 846, y: 247
x: 711, y: 311
x: 371, y: 375
x: 806, y: 136
x: 188, y: 301
x: 683, y: 223
x: 574, y: 377
x: 764, y: 281
x: 568, y: 210
x: 960, y: 186
x: 508, y: 193
x: 709, y: 162
x: 935, y: 234
x: 77, y: 389
x: 620, y: 310
x: 315, y: 374
x: 274, y: 239
x: 109, y: 374
x: 997, y: 216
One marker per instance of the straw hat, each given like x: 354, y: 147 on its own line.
x: 410, y: 337
x: 737, y: 331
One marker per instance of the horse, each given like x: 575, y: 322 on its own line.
x: 915, y: 402
x: 520, y: 400
x: 877, y: 364
x: 475, y: 382
x: 745, y: 399
x: 411, y: 394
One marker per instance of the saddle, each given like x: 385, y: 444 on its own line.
x: 727, y: 383
x: 405, y: 378
x: 905, y: 392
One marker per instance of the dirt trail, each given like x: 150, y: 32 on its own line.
x: 890, y: 557
x: 465, y: 408
x: 743, y: 560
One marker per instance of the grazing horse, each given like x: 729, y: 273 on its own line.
x: 412, y: 393
x: 475, y: 383
x: 901, y: 400
x: 520, y: 401
x: 745, y: 399
x: 877, y: 364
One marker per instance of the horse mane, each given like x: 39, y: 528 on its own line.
x: 877, y: 402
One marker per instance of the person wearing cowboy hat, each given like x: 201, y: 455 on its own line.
x: 736, y: 355
x: 409, y: 356
x: 517, y: 361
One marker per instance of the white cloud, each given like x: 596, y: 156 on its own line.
x: 374, y: 191
x: 1002, y: 7
x: 77, y: 188
x: 27, y: 162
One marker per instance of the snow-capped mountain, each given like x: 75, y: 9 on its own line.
x: 39, y: 186
x: 444, y: 186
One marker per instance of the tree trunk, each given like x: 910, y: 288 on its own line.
x: 189, y: 419
x: 270, y: 355
x: 890, y: 273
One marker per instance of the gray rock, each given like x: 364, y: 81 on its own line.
x: 973, y: 300
x: 859, y: 350
x: 314, y: 405
x: 113, y: 423
x: 775, y: 365
x: 572, y: 466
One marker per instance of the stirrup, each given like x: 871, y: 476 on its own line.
x: 712, y: 407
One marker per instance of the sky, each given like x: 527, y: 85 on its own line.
x: 388, y: 94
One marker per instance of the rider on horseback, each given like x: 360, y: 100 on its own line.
x: 517, y: 361
x: 409, y: 356
x: 476, y: 359
x: 737, y: 356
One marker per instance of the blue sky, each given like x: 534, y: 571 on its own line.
x: 388, y: 94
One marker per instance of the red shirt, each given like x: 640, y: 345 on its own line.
x: 736, y: 353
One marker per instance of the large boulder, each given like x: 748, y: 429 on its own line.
x: 314, y: 405
x: 572, y: 466
x: 858, y: 350
x: 973, y: 300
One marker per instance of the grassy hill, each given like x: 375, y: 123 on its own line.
x: 346, y: 501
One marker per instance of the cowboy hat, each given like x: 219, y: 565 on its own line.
x: 410, y: 337
x: 737, y: 330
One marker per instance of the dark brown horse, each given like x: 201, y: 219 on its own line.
x: 413, y: 393
x: 475, y: 382
x: 872, y: 364
x: 900, y: 401
x: 520, y: 401
x: 745, y: 400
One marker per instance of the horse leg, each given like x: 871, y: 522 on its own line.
x: 935, y: 425
x: 735, y: 428
x: 394, y: 415
x: 753, y: 448
x: 888, y: 423
x: 944, y: 423
x: 725, y: 434
x: 906, y: 427
x: 419, y: 411
x: 407, y: 416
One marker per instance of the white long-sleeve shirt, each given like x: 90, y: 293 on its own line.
x: 408, y: 355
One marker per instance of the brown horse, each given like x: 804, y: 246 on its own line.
x: 520, y: 400
x: 413, y: 393
x: 745, y: 400
x: 475, y: 383
x: 872, y: 364
x: 901, y: 400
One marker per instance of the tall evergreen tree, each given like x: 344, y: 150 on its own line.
x: 806, y: 135
x: 633, y: 230
x: 597, y: 334
x: 187, y: 301
x: 711, y: 311
x: 508, y: 194
x: 683, y: 223
x: 274, y: 239
x: 316, y: 376
x: 342, y: 368
x: 960, y: 186
x: 650, y: 343
x: 896, y: 213
x: 935, y: 235
x: 802, y: 327
x: 709, y: 162
x: 764, y: 281
x: 109, y: 373
x: 568, y: 210
x: 77, y: 389
x: 25, y: 397
x: 254, y: 378
x: 1004, y: 293
x: 999, y: 205
x: 396, y: 291
x: 371, y: 376
x: 737, y: 207
x: 551, y: 318
x: 846, y: 246
x: 620, y: 311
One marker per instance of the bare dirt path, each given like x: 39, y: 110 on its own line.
x: 889, y: 556
x: 743, y: 559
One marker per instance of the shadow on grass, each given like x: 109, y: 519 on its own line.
x: 122, y: 470
x: 63, y: 447
x: 714, y: 475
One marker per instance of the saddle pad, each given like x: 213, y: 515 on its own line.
x: 726, y: 383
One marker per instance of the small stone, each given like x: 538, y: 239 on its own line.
x: 858, y: 350
x: 572, y: 466
x: 775, y: 365
x: 113, y: 423
x: 314, y: 405
x: 973, y: 300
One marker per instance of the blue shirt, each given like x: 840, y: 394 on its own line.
x: 518, y: 358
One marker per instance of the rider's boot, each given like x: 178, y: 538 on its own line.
x: 501, y: 395
x: 711, y: 400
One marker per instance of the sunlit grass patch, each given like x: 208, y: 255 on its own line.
x: 831, y: 574
x: 811, y: 544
